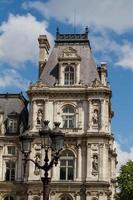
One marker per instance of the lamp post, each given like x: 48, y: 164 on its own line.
x: 50, y: 139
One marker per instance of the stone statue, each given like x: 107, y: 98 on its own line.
x: 95, y: 163
x: 95, y: 117
x: 39, y: 116
x: 37, y: 160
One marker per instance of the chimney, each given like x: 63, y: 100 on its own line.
x: 44, y: 47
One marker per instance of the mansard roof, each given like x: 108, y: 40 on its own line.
x: 12, y: 103
x: 81, y: 45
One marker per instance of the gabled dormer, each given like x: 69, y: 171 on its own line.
x: 69, y: 67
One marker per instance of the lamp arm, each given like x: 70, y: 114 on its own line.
x: 35, y: 163
x: 55, y: 159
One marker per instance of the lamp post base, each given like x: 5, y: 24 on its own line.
x: 46, y: 188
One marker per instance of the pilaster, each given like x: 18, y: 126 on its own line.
x: 101, y: 167
x: 79, y: 163
x: 89, y: 168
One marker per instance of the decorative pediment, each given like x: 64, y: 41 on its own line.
x: 96, y: 83
x: 69, y: 54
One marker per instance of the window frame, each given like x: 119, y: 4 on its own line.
x: 13, y: 127
x: 9, y: 197
x: 10, y: 171
x: 11, y: 150
x: 68, y: 117
x: 69, y: 156
x: 69, y: 75
x: 12, y: 123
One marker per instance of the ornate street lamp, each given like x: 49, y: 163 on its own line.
x: 50, y: 139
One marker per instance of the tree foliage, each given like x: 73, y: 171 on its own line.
x: 125, y: 182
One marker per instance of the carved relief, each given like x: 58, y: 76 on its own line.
x: 94, y: 147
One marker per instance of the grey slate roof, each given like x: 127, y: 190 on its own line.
x: 11, y: 103
x: 81, y: 44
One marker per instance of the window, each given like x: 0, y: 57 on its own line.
x: 11, y: 150
x: 10, y: 171
x: 69, y: 75
x: 66, y: 197
x: 13, y: 125
x: 67, y: 165
x: 8, y: 198
x: 68, y: 117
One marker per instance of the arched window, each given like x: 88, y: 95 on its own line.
x: 8, y: 198
x: 36, y: 198
x: 66, y: 197
x: 69, y: 75
x: 68, y: 117
x: 67, y: 165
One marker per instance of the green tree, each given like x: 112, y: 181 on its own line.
x: 125, y: 182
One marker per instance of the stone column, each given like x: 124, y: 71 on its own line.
x: 19, y: 166
x: 105, y: 162
x: 78, y: 73
x: 90, y: 115
x: 1, y: 169
x: 101, y: 167
x: 79, y: 116
x: 107, y: 116
x: 62, y: 68
x: 88, y: 177
x: 79, y: 166
x: 102, y: 115
x: 34, y: 115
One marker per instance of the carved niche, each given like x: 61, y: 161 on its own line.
x: 96, y: 114
x: 95, y: 165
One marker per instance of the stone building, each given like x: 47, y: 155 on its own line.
x: 71, y: 89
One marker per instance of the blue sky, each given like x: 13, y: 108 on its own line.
x: 110, y: 25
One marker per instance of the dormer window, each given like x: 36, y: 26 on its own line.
x: 69, y: 78
x: 69, y: 67
x: 12, y: 125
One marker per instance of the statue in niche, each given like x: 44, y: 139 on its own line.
x: 95, y: 163
x: 37, y: 160
x: 95, y: 117
x: 39, y: 116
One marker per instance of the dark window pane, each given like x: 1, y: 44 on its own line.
x: 63, y: 162
x: 70, y: 173
x: 63, y: 173
x: 70, y: 163
x: 7, y: 175
x: 12, y: 174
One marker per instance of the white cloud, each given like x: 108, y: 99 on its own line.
x: 126, y: 58
x: 11, y: 78
x: 115, y: 15
x: 18, y: 39
x: 108, y: 48
x: 123, y: 156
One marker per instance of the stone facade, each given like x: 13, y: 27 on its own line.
x: 72, y: 90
